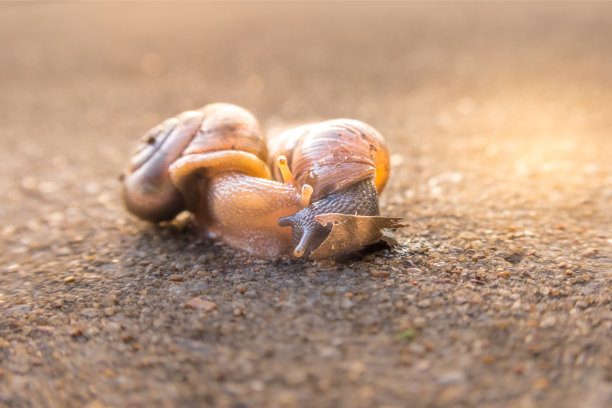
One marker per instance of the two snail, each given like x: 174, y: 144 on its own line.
x: 310, y: 192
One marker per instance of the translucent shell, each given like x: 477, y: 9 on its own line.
x: 228, y: 127
x: 332, y: 155
x: 185, y: 143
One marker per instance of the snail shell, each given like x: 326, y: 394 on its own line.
x: 332, y: 155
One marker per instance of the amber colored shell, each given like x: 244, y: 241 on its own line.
x: 228, y: 127
x: 228, y: 131
x: 332, y: 155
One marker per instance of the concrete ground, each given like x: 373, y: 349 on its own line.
x: 499, y: 119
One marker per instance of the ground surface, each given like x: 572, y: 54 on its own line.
x: 499, y: 117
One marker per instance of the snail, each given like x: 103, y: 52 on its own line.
x: 347, y: 164
x: 214, y: 162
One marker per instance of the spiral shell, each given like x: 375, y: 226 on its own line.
x: 332, y: 155
x: 217, y: 137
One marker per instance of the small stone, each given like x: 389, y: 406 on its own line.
x: 541, y: 383
x: 113, y: 327
x: 503, y: 274
x: 422, y: 365
x: 548, y: 322
x: 286, y: 399
x: 57, y: 304
x: 76, y: 332
x: 378, y: 273
x: 176, y: 278
x: 488, y: 359
x: 48, y: 330
x: 449, y: 395
x: 451, y: 377
x: 463, y: 296
x: 346, y: 303
x: 355, y: 370
x: 504, y: 292
x: 200, y: 304
x: 90, y: 312
x: 414, y: 270
x: 419, y: 322
x: 329, y: 291
x: 424, y: 303
x: 96, y: 404
x: 241, y: 289
x: 323, y: 384
x: 69, y: 279
x: 589, y: 253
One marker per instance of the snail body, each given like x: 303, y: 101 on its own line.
x: 214, y: 162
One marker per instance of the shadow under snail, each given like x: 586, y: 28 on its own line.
x: 320, y: 200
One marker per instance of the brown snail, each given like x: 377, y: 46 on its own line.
x: 214, y: 163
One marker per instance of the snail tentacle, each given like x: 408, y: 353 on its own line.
x: 285, y: 171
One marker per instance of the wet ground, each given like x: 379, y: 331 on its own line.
x: 499, y: 118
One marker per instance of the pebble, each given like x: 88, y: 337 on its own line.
x: 48, y: 330
x: 90, y: 312
x: 76, y: 332
x: 540, y: 383
x: 589, y: 253
x: 419, y: 322
x: 425, y: 303
x: 378, y: 273
x: 549, y: 321
x: 346, y: 303
x: 503, y: 274
x: 451, y: 377
x: 329, y: 291
x: 469, y: 296
x: 200, y: 304
x: 113, y: 327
